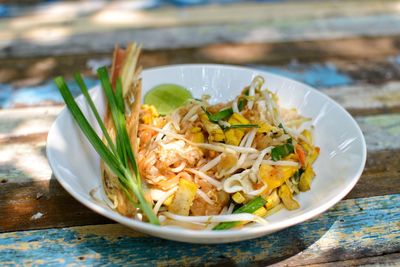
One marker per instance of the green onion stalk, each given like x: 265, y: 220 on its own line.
x: 118, y: 155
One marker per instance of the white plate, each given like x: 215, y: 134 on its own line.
x: 338, y: 168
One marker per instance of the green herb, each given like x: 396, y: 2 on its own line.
x: 281, y: 126
x: 118, y: 157
x: 236, y: 126
x: 220, y: 115
x: 297, y: 174
x: 281, y: 151
x: 241, y: 104
x: 249, y: 207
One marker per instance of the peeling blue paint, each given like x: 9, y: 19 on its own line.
x: 373, y: 227
x: 33, y: 95
x: 316, y: 75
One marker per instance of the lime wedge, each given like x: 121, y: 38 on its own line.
x: 167, y: 97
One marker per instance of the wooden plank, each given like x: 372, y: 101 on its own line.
x: 368, y: 99
x: 123, y: 14
x: 69, y: 34
x: 384, y: 260
x: 19, y: 199
x: 28, y: 81
x: 381, y: 175
x: 55, y: 206
x: 353, y: 54
x: 353, y: 229
x: 23, y: 122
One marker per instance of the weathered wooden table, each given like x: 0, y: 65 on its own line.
x: 347, y: 49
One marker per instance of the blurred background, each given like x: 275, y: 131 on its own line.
x: 323, y: 43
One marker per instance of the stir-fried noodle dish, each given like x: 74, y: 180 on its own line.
x: 208, y: 166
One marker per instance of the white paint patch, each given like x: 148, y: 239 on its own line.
x: 37, y: 216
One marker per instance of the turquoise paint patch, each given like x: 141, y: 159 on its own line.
x: 341, y: 222
x: 316, y: 75
x: 33, y: 95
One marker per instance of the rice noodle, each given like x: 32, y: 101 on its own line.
x: 160, y: 135
x: 163, y: 198
x: 179, y: 168
x: 219, y: 147
x: 176, y: 118
x: 230, y: 184
x: 255, y: 84
x: 216, y: 218
x: 190, y: 113
x: 280, y: 163
x: 235, y: 105
x: 193, y: 118
x: 209, y: 179
x: 242, y: 158
x: 256, y: 166
x: 230, y: 209
x: 204, y: 196
x: 211, y: 164
x: 258, y: 191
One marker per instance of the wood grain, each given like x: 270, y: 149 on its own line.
x: 392, y: 259
x: 49, y: 33
x: 365, y: 58
x: 353, y: 229
x: 21, y: 200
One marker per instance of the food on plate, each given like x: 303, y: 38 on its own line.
x: 182, y: 161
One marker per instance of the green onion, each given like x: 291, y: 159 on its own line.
x: 85, y: 92
x: 236, y: 126
x: 118, y: 157
x: 220, y: 115
x: 283, y: 128
x: 250, y: 207
x: 281, y: 151
x: 241, y: 104
x: 297, y: 174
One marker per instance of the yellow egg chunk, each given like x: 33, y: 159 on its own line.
x: 275, y: 176
x: 184, y: 197
x: 287, y: 198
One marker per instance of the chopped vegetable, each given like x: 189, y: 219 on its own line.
x: 307, y: 134
x: 249, y: 207
x: 238, y: 198
x: 215, y: 133
x: 281, y: 151
x: 167, y: 97
x: 287, y: 198
x: 220, y: 115
x: 184, y: 197
x: 261, y: 212
x: 243, y: 126
x: 306, y: 179
x: 301, y: 154
x: 272, y: 200
x: 241, y: 104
